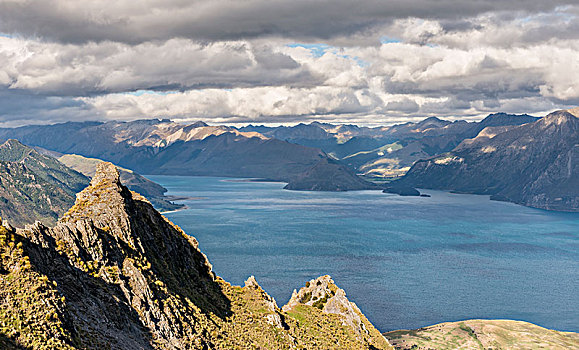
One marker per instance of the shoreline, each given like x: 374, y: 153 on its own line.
x: 184, y: 207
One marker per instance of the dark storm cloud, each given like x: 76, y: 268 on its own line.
x: 19, y: 107
x: 137, y: 21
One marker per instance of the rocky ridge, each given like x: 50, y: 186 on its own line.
x: 115, y: 274
x: 154, y: 192
x: 322, y: 293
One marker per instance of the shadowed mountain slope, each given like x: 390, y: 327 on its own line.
x: 389, y: 151
x: 535, y: 164
x: 34, y: 186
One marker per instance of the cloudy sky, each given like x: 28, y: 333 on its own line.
x: 272, y: 61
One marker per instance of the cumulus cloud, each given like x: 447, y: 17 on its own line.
x: 256, y: 61
x: 236, y: 105
x: 113, y: 67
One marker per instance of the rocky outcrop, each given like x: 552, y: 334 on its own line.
x: 113, y: 273
x: 321, y: 293
x: 535, y: 164
x: 130, y: 263
x: 154, y: 192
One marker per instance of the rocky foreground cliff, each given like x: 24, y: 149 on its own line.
x: 115, y: 274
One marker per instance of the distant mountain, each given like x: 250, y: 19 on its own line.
x: 163, y: 147
x: 34, y: 186
x: 328, y: 175
x: 115, y: 274
x: 387, y: 152
x: 154, y: 192
x: 535, y: 164
x: 411, y: 142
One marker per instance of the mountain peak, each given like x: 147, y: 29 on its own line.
x: 127, y: 276
x: 574, y: 111
x: 106, y: 172
x: 323, y: 294
x: 559, y: 118
x: 199, y: 124
x: 502, y: 119
x: 14, y: 151
x: 432, y: 121
x: 13, y: 142
x: 104, y: 198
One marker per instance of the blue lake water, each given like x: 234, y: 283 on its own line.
x: 406, y: 262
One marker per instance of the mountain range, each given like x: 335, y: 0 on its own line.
x: 387, y: 151
x: 532, y: 162
x: 535, y: 164
x: 167, y: 148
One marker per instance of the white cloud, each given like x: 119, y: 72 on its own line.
x: 513, y: 61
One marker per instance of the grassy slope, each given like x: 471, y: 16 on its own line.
x: 483, y: 334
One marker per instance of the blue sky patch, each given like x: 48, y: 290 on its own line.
x: 389, y: 40
x: 149, y: 92
x: 317, y: 50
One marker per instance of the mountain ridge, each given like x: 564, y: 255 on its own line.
x: 165, y: 148
x: 534, y: 164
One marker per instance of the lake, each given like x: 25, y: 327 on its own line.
x: 406, y: 262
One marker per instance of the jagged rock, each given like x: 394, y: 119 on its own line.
x: 6, y: 225
x: 322, y: 293
x: 154, y: 192
x: 251, y: 282
x: 273, y: 317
